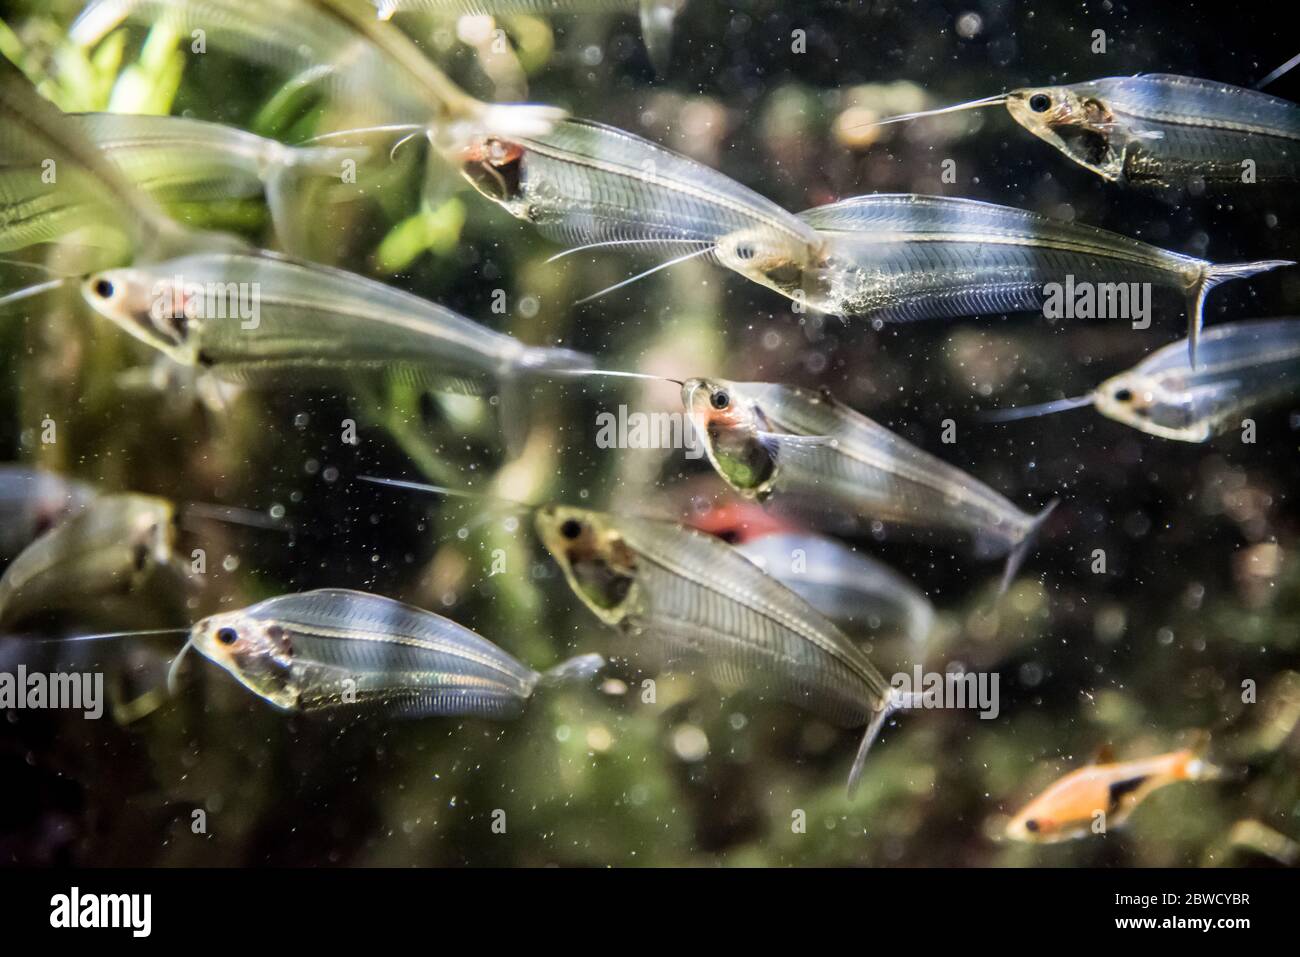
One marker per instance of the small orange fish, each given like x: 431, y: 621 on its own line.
x: 1106, y: 792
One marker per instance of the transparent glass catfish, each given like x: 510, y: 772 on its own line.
x: 899, y: 257
x: 766, y: 439
x: 656, y: 15
x: 1161, y: 132
x: 32, y: 501
x: 176, y: 159
x: 1244, y: 366
x: 348, y: 651
x: 691, y: 602
x: 55, y: 182
x: 859, y: 593
x: 367, y: 67
x: 587, y: 185
x: 266, y: 321
x: 107, y: 551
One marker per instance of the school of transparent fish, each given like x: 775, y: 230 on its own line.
x: 612, y: 432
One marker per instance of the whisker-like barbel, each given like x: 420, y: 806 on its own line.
x: 999, y: 100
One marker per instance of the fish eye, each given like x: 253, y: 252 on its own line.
x: 1040, y: 102
x: 1123, y: 395
x: 720, y: 400
x: 1031, y: 826
x: 571, y: 529
x: 104, y: 288
x: 227, y: 636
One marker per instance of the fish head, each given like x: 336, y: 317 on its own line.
x: 157, y: 312
x: 494, y: 167
x: 1076, y: 121
x: 731, y: 426
x: 770, y: 258
x: 118, y: 542
x: 598, y: 564
x: 1032, y: 827
x: 1144, y: 403
x: 256, y: 651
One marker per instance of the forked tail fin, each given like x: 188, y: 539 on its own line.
x: 1020, y: 551
x: 292, y: 188
x: 1212, y: 276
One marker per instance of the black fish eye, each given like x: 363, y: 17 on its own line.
x: 720, y: 400
x: 104, y: 288
x: 571, y: 529
x: 227, y: 636
x: 1123, y: 395
x: 1031, y: 826
x: 1040, y: 102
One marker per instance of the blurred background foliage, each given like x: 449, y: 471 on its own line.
x: 1201, y: 593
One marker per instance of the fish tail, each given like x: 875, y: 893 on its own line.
x: 1020, y: 551
x: 657, y: 30
x: 892, y: 702
x: 292, y: 184
x: 1197, y: 767
x: 578, y: 668
x: 1211, y: 277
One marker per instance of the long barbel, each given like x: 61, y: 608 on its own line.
x: 591, y: 186
x: 690, y: 602
x: 262, y: 320
x: 367, y: 65
x: 768, y: 439
x: 1244, y: 366
x: 899, y: 257
x: 342, y: 650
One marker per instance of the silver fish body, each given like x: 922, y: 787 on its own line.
x: 1243, y: 366
x: 54, y: 181
x: 107, y: 551
x: 590, y: 184
x: 1163, y: 132
x: 341, y: 650
x: 32, y: 501
x: 178, y: 159
x: 258, y: 319
x: 765, y: 439
x: 856, y: 591
x: 688, y: 601
x: 898, y: 257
